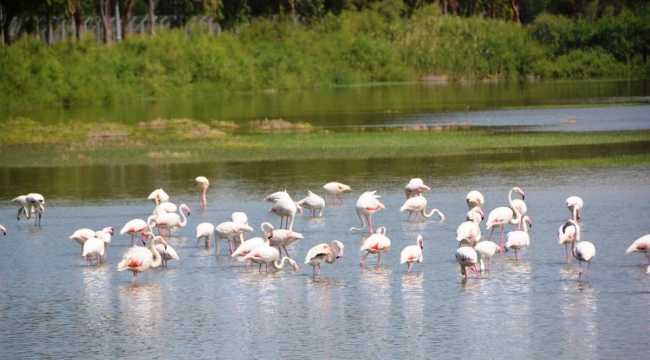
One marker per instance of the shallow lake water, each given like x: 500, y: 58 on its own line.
x: 206, y: 305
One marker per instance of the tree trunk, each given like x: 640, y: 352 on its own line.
x: 152, y: 8
x: 104, y: 10
x: 6, y: 25
x: 515, y: 10
x: 126, y: 16
x: 74, y: 8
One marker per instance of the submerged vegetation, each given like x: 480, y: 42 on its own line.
x: 349, y: 48
x: 26, y: 143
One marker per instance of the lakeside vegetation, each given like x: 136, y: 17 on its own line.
x: 373, y: 45
x: 26, y: 143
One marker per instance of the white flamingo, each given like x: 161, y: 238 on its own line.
x: 36, y: 203
x: 486, y: 250
x: 467, y: 257
x: 412, y: 253
x: 286, y: 207
x: 133, y: 228
x: 418, y: 205
x: 566, y: 235
x: 522, y: 208
x: 277, y: 196
x: 468, y: 231
x: 475, y: 214
x: 641, y: 245
x: 106, y: 234
x: 502, y: 216
x: 314, y: 203
x: 582, y: 251
x: 139, y: 259
x: 166, y: 253
x: 474, y: 198
x: 367, y: 204
x: 171, y: 221
x: 246, y: 247
x: 164, y: 208
x: 204, y: 231
x: 574, y: 204
x: 415, y: 187
x: 335, y: 189
x: 230, y: 230
x: 376, y: 243
x: 202, y: 184
x: 280, y: 238
x: 82, y: 235
x: 242, y: 218
x: 24, y: 207
x: 265, y: 255
x: 158, y: 196
x: 93, y: 248
x: 519, y: 239
x: 321, y: 253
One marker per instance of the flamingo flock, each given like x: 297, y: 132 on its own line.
x: 471, y: 254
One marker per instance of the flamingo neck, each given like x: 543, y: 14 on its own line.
x: 157, y: 260
x: 277, y: 264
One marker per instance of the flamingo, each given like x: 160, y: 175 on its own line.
x: 36, y: 204
x: 574, y: 204
x: 133, y: 228
x: 467, y: 258
x: 158, y: 196
x: 367, y: 204
x: 485, y: 250
x: 165, y: 208
x: 474, y: 198
x: 265, y: 255
x: 582, y: 250
x: 468, y: 231
x: 313, y: 202
x: 246, y: 247
x: 412, y: 253
x: 106, y: 234
x: 502, y: 216
x: 286, y: 207
x: 566, y: 234
x: 93, y: 247
x: 205, y: 231
x: 519, y: 239
x: 321, y: 253
x: 202, y: 184
x: 415, y: 187
x: 642, y: 245
x: 281, y: 238
x: 166, y: 253
x: 82, y: 235
x: 277, y: 196
x: 418, y: 204
x: 241, y: 218
x: 335, y: 189
x: 139, y: 259
x: 522, y: 208
x: 170, y: 221
x: 475, y: 214
x: 376, y: 243
x: 4, y: 230
x: 230, y: 230
x: 23, y: 209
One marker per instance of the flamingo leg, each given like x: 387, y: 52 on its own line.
x: 568, y: 257
x: 588, y: 269
x: 476, y: 271
x: 643, y: 261
x: 135, y: 275
x: 580, y: 272
x: 369, y: 218
x: 409, y: 269
x: 490, y: 237
x: 409, y: 218
x: 363, y: 259
x: 230, y: 245
x: 260, y: 269
x: 319, y: 268
x: 378, y: 259
x: 490, y: 265
x: 340, y: 198
x: 286, y: 251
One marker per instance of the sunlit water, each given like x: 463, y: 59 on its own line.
x: 52, y: 305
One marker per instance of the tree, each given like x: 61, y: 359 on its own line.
x: 104, y: 11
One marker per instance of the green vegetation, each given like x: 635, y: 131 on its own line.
x: 349, y: 48
x: 26, y: 143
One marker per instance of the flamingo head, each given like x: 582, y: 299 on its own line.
x: 421, y: 241
x: 520, y: 192
x: 3, y: 229
x: 294, y: 264
x: 187, y: 209
x: 109, y: 230
x: 341, y: 248
x: 529, y: 221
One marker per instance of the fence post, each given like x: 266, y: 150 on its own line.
x: 118, y: 28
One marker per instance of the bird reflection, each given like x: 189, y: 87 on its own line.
x: 579, y: 312
x: 141, y: 311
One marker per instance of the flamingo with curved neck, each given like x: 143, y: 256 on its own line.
x: 139, y: 259
x: 265, y: 255
x: 172, y: 220
x: 366, y: 205
x: 567, y: 234
x: 502, y: 216
x: 418, y: 205
x: 321, y: 253
x: 412, y: 253
x: 582, y: 250
x: 519, y: 239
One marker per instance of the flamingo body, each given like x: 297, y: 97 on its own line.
x: 204, y: 231
x: 412, y: 253
x: 334, y: 189
x: 366, y: 205
x: 485, y: 250
x: 93, y: 248
x: 415, y: 187
x: 641, y: 245
x: 133, y: 228
x: 314, y: 203
x: 519, y: 239
x: 322, y: 253
x: 166, y: 253
x: 158, y: 196
x: 474, y: 198
x: 467, y: 257
x: 202, y: 184
x: 418, y: 205
x: 139, y: 259
x: 376, y: 243
x: 566, y: 235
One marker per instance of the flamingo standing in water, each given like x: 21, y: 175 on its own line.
x: 158, y: 196
x: 82, y: 235
x: 133, y: 228
x: 519, y: 239
x: 314, y: 203
x: 242, y: 218
x: 170, y: 221
x: 335, y: 189
x: 415, y: 187
x: 286, y: 207
x: 418, y: 205
x: 106, y: 234
x: 246, y: 247
x: 367, y: 204
x: 474, y: 198
x: 36, y: 203
x: 574, y: 204
x: 376, y: 243
x: 566, y: 235
x: 23, y: 209
x: 467, y: 257
x: 321, y: 253
x: 230, y: 230
x: 468, y: 231
x: 204, y: 231
x: 166, y: 253
x: 486, y: 250
x: 642, y: 245
x: 502, y: 216
x: 281, y: 238
x: 412, y: 253
x: 265, y: 255
x: 93, y: 248
x: 202, y: 184
x: 139, y: 259
x: 582, y: 250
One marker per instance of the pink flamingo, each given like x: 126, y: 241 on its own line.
x: 486, y: 250
x: 202, y: 184
x: 204, y: 231
x: 415, y: 187
x: 502, y: 216
x: 566, y: 234
x: 412, y: 253
x: 93, y: 248
x: 230, y: 230
x: 321, y: 253
x: 170, y: 221
x: 281, y: 238
x: 286, y: 207
x: 582, y: 250
x: 641, y: 245
x: 418, y: 205
x: 519, y: 239
x: 277, y: 196
x: 4, y: 230
x: 467, y: 257
x: 82, y: 235
x: 367, y: 204
x: 335, y: 189
x: 468, y: 231
x: 139, y: 259
x: 474, y: 198
x: 158, y: 196
x: 246, y: 247
x: 265, y: 255
x: 36, y: 204
x: 574, y: 204
x: 376, y: 243
x: 133, y: 228
x: 313, y: 202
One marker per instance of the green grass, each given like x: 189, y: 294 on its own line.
x: 26, y: 143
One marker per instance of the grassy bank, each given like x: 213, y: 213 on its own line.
x: 26, y: 143
x: 351, y: 48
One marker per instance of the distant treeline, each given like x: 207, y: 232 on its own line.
x: 354, y: 46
